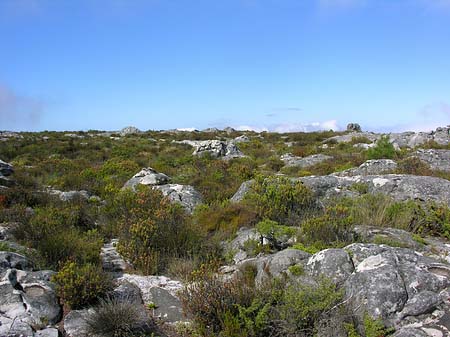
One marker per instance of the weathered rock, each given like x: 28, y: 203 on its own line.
x: 127, y: 292
x: 147, y: 176
x: 349, y: 137
x: 160, y: 291
x: 215, y: 148
x: 69, y: 195
x: 75, y: 323
x: 10, y: 260
x: 14, y: 328
x: 242, y: 191
x: 423, y: 303
x: 236, y: 246
x: 334, y: 264
x: 410, y: 332
x: 112, y: 261
x: 436, y: 159
x: 399, y: 236
x: 129, y: 130
x: 6, y: 169
x: 371, y: 167
x: 49, y: 332
x: 241, y: 139
x: 354, y: 127
x: 410, y: 139
x: 304, y: 162
x: 186, y: 195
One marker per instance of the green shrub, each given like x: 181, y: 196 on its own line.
x: 274, y: 232
x: 334, y: 228
x: 80, y: 286
x: 280, y: 199
x: 152, y: 230
x: 382, y: 150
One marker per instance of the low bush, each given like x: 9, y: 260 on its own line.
x: 81, y: 285
x: 281, y: 199
x: 382, y: 150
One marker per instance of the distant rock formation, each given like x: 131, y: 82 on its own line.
x: 129, y: 130
x: 355, y: 127
x: 215, y: 148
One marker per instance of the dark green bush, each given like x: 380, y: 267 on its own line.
x: 383, y: 149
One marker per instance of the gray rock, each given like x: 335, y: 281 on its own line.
x: 410, y: 139
x: 354, y: 127
x: 347, y: 138
x: 49, y: 332
x: 371, y: 167
x: 147, y: 176
x: 129, y: 130
x: 334, y: 264
x: 442, y: 135
x: 436, y: 159
x: 422, y: 303
x: 10, y: 260
x: 236, y: 246
x: 168, y: 307
x: 186, y: 195
x: 376, y: 288
x: 403, y: 238
x: 215, y: 148
x: 6, y: 169
x: 112, y: 261
x: 69, y: 195
x: 14, y: 328
x: 127, y: 292
x: 304, y: 162
x: 401, y: 187
x: 29, y: 297
x: 241, y: 139
x: 158, y: 290
x: 410, y: 332
x: 75, y: 323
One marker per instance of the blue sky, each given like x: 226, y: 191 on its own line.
x: 281, y: 65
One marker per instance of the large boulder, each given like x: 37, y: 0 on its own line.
x: 147, y: 176
x: 69, y: 195
x: 349, y: 137
x: 395, y: 284
x: 129, y: 130
x: 186, y: 195
x: 355, y: 127
x: 371, y: 167
x: 304, y: 162
x: 436, y: 159
x: 161, y: 293
x: 215, y: 148
x: 334, y: 264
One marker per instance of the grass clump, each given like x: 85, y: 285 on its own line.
x: 382, y: 150
x: 113, y: 317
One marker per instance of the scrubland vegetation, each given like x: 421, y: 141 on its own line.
x: 159, y: 237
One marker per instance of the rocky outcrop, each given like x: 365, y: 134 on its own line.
x: 349, y: 137
x: 186, y: 195
x: 6, y: 170
x: 214, y: 148
x: 236, y: 247
x: 370, y: 167
x: 129, y: 130
x: 112, y: 261
x: 161, y: 293
x: 304, y: 162
x: 241, y: 139
x: 436, y: 159
x: 147, y: 176
x: 69, y: 195
x: 27, y: 298
x: 355, y: 127
x: 398, y: 186
x: 404, y: 139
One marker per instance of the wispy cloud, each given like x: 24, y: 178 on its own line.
x: 279, y: 111
x: 19, y: 110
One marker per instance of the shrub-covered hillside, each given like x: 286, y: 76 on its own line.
x: 224, y: 233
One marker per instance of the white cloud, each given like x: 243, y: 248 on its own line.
x: 251, y: 128
x: 186, y: 129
